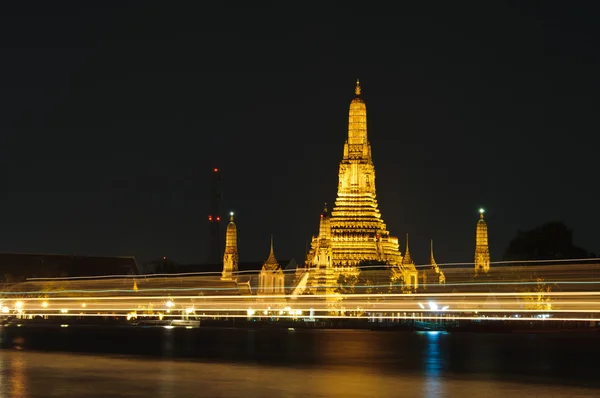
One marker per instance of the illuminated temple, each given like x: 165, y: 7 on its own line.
x: 482, y: 250
x: 354, y: 233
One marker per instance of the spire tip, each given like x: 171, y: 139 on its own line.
x: 357, y: 89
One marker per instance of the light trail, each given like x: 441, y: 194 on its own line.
x: 470, y: 265
x: 556, y: 293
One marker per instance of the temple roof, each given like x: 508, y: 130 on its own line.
x: 407, y: 259
x: 271, y: 263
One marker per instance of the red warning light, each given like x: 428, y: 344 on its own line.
x: 218, y: 218
x: 216, y: 170
x: 209, y: 218
x: 164, y: 257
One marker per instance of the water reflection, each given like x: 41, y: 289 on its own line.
x: 18, y: 376
x: 324, y: 363
x: 30, y: 374
x: 167, y: 383
x: 433, y: 364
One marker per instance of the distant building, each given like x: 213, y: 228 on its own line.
x: 16, y: 267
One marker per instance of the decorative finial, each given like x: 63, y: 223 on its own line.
x: 231, y: 216
x: 325, y: 208
x: 272, y: 252
x: 406, y: 242
x: 431, y: 248
x: 481, y: 211
x: 357, y: 89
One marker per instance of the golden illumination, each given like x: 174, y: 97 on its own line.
x: 271, y: 278
x: 354, y: 232
x: 230, y: 257
x: 482, y: 251
x: 434, y: 266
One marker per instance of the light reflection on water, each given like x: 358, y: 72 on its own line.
x: 294, y: 363
x: 32, y: 374
x: 434, y: 364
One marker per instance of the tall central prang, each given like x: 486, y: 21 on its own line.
x: 355, y: 232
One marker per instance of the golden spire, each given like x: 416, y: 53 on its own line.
x: 482, y: 234
x: 407, y: 258
x: 482, y: 250
x: 271, y: 262
x: 230, y: 257
x: 434, y: 266
x: 357, y: 89
x: 231, y: 234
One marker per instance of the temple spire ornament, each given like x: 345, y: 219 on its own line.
x: 357, y: 89
x: 441, y: 278
x: 271, y: 262
x: 482, y: 251
x: 407, y: 259
x: 230, y: 257
x: 271, y: 278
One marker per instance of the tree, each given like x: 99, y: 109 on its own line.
x: 537, y: 298
x: 346, y: 283
x: 550, y: 241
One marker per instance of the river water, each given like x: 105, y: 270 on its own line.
x: 305, y: 363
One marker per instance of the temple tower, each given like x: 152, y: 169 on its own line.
x: 271, y: 278
x: 482, y: 251
x: 230, y: 258
x: 357, y: 231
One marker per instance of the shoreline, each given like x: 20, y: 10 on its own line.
x: 406, y: 326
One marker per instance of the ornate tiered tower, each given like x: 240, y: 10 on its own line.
x: 482, y: 251
x: 357, y: 231
x: 320, y: 258
x: 271, y: 278
x: 230, y: 258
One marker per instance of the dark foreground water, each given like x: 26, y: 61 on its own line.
x: 158, y: 362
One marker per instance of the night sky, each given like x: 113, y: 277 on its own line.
x: 114, y: 116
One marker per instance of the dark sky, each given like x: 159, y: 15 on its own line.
x: 112, y: 118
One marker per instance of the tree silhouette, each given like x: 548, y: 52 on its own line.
x: 550, y: 241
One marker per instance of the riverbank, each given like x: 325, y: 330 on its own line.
x: 31, y: 328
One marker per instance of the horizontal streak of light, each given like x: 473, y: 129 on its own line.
x: 245, y: 308
x: 183, y: 289
x: 404, y: 296
x: 388, y: 317
x: 215, y: 273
